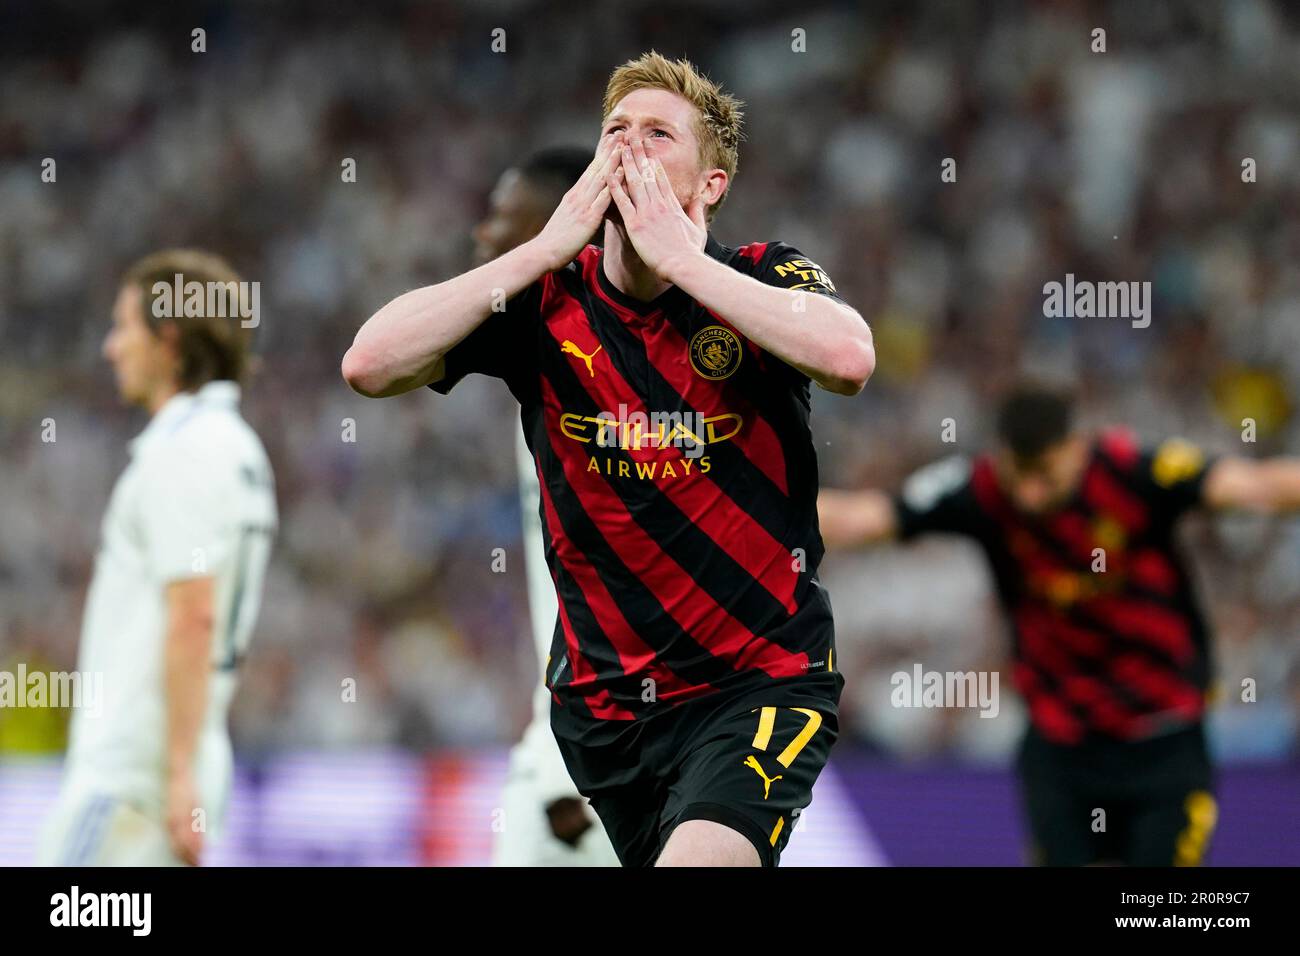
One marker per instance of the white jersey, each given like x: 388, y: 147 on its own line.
x: 543, y: 605
x: 537, y: 776
x: 196, y: 500
x: 550, y: 775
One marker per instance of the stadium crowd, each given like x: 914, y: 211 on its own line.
x: 1118, y: 165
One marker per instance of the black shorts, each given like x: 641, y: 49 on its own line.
x: 746, y: 759
x: 1142, y: 803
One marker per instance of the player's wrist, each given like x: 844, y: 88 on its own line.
x: 544, y: 255
x: 180, y: 770
x: 680, y: 266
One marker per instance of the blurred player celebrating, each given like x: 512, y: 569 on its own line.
x: 547, y: 822
x: 1111, y: 649
x: 664, y: 390
x: 177, y: 581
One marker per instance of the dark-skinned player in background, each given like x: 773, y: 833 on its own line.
x: 1111, y: 650
x: 546, y: 821
x: 664, y: 384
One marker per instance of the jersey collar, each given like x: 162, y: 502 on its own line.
x: 181, y: 406
x: 669, y: 299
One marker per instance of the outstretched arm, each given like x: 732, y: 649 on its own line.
x: 1270, y: 485
x: 853, y: 519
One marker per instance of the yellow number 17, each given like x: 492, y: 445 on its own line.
x: 767, y: 720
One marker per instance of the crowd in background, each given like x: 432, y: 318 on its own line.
x: 1121, y: 165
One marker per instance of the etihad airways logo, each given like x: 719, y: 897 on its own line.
x: 691, y: 432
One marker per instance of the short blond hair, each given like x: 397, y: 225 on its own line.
x: 719, y: 114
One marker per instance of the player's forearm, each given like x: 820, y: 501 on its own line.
x: 401, y: 346
x: 853, y: 519
x: 1270, y: 486
x: 827, y: 341
x: 187, y: 664
x: 1277, y: 485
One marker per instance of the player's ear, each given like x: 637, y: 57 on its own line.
x: 168, y: 334
x: 715, y: 187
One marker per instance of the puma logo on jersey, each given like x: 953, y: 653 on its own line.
x: 752, y: 763
x: 569, y: 348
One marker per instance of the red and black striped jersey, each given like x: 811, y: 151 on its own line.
x: 1109, y: 638
x: 678, y: 485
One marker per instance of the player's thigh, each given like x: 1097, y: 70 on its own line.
x: 101, y: 830
x: 1172, y: 829
x: 1174, y: 811
x: 629, y: 810
x: 75, y: 828
x: 1064, y: 827
x: 630, y: 817
x: 705, y: 843
x: 137, y: 839
x: 753, y: 771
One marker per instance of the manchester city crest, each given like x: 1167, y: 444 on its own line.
x: 715, y: 352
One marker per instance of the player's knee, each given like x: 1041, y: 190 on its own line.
x: 705, y: 843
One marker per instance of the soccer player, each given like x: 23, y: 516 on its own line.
x: 177, y: 580
x: 664, y: 390
x: 1111, y: 650
x: 547, y: 822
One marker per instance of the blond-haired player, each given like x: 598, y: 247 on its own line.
x: 546, y: 822
x: 664, y: 388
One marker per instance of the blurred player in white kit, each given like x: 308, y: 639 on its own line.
x: 546, y: 821
x: 178, y: 577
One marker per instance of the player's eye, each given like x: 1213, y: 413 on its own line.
x: 658, y: 131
